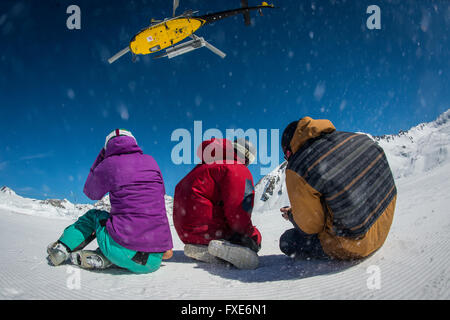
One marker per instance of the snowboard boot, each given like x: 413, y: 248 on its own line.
x: 88, y: 259
x: 200, y: 252
x: 239, y: 256
x: 57, y: 253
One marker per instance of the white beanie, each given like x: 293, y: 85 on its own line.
x: 117, y: 133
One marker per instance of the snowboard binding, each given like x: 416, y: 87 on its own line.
x: 57, y: 253
x: 88, y: 259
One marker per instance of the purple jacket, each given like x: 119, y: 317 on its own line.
x: 138, y: 219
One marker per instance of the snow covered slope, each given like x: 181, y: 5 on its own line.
x: 419, y: 149
x: 414, y: 263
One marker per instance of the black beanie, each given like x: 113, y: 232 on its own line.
x: 288, y: 133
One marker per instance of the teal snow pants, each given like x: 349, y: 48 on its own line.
x: 92, y: 225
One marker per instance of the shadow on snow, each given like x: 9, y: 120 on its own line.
x: 273, y: 267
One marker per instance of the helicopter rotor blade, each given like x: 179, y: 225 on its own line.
x: 175, y: 6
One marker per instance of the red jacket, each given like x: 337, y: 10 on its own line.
x: 215, y: 199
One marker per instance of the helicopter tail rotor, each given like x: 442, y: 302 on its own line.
x: 246, y: 14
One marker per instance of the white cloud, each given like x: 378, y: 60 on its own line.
x: 37, y: 156
x: 25, y: 189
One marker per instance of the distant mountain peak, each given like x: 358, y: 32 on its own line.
x: 58, y: 203
x: 270, y: 191
x: 443, y: 118
x: 419, y: 149
x: 7, y: 190
x: 58, y: 208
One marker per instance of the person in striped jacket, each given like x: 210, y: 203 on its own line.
x: 341, y: 190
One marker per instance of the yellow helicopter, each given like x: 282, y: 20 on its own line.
x: 165, y: 34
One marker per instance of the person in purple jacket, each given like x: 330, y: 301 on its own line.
x: 135, y: 235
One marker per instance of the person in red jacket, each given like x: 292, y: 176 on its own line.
x: 213, y: 205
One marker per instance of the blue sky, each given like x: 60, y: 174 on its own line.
x: 59, y: 97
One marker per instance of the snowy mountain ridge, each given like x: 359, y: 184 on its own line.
x: 6, y: 190
x: 56, y: 208
x: 420, y: 149
x: 415, y: 151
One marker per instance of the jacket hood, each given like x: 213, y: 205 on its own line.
x: 218, y: 151
x: 308, y: 128
x: 122, y: 145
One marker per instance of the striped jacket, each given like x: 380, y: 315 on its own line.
x: 340, y: 187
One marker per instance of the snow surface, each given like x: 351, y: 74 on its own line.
x: 414, y: 263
